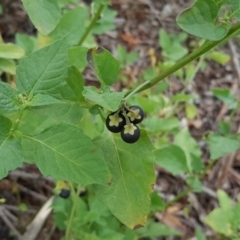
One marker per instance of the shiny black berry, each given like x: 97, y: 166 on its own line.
x: 65, y: 193
x: 136, y: 115
x: 115, y: 122
x: 130, y: 133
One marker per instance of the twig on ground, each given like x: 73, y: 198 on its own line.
x: 32, y: 193
x: 10, y: 225
x: 35, y: 226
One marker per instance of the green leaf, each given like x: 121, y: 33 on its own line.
x: 226, y: 96
x: 44, y: 70
x: 64, y: 152
x: 76, y: 83
x: 165, y: 41
x: 219, y: 222
x: 172, y: 158
x: 7, y: 66
x: 191, y: 149
x: 194, y: 183
x: 43, y: 100
x: 77, y: 57
x: 200, y: 234
x: 199, y: 20
x: 155, y: 124
x: 68, y: 27
x: 44, y: 14
x: 8, y: 98
x: 11, y: 51
x: 28, y: 43
x: 11, y: 155
x: 127, y: 196
x: 219, y: 57
x: 224, y: 201
x: 37, y: 119
x: 156, y: 229
x: 157, y: 203
x: 108, y: 100
x: 105, y: 65
x: 220, y: 146
x: 235, y: 5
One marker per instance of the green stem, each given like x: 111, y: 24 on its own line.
x: 208, y: 45
x: 74, y: 198
x: 179, y: 196
x: 92, y: 24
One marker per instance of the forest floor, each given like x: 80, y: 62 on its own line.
x: 137, y: 28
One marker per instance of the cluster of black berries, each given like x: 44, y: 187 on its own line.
x: 65, y: 193
x: 124, y: 121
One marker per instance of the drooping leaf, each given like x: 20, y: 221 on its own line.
x: 10, y: 51
x: 7, y: 66
x: 222, y: 145
x: 11, y: 155
x: 44, y: 14
x: 172, y: 158
x: 104, y: 64
x: 64, y: 152
x: 8, y: 98
x: 200, y: 20
x: 44, y: 70
x: 131, y: 166
x: 109, y: 100
x: 68, y: 27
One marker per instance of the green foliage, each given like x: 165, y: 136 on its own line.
x: 222, y: 145
x: 202, y: 15
x: 225, y: 219
x: 52, y: 120
x: 104, y: 64
x: 44, y: 14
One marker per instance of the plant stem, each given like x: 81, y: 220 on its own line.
x: 74, y: 198
x: 179, y: 196
x: 234, y: 31
x: 91, y: 25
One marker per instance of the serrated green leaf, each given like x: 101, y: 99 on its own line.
x: 127, y: 197
x: 220, y: 146
x: 108, y: 100
x: 235, y: 5
x: 77, y: 57
x: 191, y: 149
x: 10, y: 51
x: 11, y: 155
x: 44, y: 70
x: 172, y: 158
x: 64, y: 152
x: 199, y: 20
x: 104, y: 64
x: 8, y: 98
x: 44, y: 14
x: 28, y: 43
x: 68, y: 27
x: 7, y: 66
